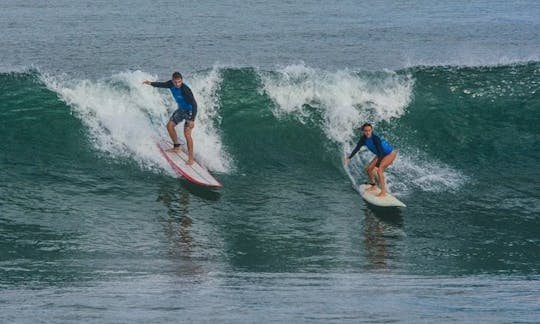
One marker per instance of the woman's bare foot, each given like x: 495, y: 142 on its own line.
x: 174, y: 149
x: 381, y: 194
x: 372, y: 188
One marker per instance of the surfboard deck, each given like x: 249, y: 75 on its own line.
x: 371, y: 197
x: 195, y: 173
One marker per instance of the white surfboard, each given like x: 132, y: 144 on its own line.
x: 195, y: 173
x: 371, y: 197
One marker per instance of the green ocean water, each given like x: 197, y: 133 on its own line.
x: 93, y: 218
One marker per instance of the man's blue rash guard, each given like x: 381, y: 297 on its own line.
x: 183, y: 96
x: 375, y: 144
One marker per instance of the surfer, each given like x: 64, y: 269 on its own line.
x: 385, y: 155
x: 187, y: 110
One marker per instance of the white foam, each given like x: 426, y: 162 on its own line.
x: 124, y: 117
x: 212, y: 153
x: 410, y: 172
x: 344, y: 98
x: 418, y: 172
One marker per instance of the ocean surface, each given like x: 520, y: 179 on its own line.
x: 96, y: 228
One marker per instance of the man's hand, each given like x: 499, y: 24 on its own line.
x: 146, y: 82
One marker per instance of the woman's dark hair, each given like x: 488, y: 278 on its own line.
x: 176, y: 75
x: 366, y: 125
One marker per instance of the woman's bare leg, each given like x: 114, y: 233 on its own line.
x: 386, y: 161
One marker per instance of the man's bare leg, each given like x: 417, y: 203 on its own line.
x: 189, y: 141
x: 174, y: 137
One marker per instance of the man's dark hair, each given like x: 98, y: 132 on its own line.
x: 176, y: 75
x: 366, y: 125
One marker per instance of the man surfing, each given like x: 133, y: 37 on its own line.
x: 385, y: 156
x: 187, y: 110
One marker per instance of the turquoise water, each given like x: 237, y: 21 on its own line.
x: 95, y: 227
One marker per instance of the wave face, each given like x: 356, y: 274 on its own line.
x: 451, y: 125
x: 78, y: 157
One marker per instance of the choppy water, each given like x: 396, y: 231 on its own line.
x: 95, y: 227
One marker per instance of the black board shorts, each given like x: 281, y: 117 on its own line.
x: 180, y: 115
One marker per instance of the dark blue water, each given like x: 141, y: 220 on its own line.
x: 98, y: 37
x: 95, y: 227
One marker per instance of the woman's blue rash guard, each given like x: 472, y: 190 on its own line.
x: 376, y: 145
x: 183, y: 96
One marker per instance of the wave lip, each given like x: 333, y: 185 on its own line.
x: 344, y: 99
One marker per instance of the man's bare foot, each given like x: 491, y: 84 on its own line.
x: 372, y: 188
x: 381, y: 194
x: 174, y: 149
x: 190, y: 162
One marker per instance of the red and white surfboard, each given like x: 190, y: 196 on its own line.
x: 194, y: 173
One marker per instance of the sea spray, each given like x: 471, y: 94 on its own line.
x: 124, y: 117
x: 207, y: 131
x: 346, y: 99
